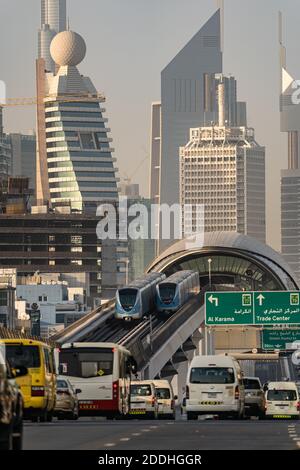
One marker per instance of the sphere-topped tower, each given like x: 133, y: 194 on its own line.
x: 81, y: 171
x: 68, y: 49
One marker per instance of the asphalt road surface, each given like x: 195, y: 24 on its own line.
x: 99, y: 434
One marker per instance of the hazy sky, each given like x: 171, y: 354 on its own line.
x: 130, y: 41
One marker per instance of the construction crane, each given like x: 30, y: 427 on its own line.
x: 10, y: 102
x: 127, y: 178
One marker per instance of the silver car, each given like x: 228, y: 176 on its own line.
x: 67, y: 406
x: 254, y: 397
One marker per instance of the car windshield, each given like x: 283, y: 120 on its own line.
x: 212, y: 375
x: 62, y: 384
x: 163, y: 393
x: 252, y: 384
x: 140, y: 390
x: 282, y: 395
x: 20, y: 355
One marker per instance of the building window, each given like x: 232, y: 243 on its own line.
x: 52, y: 262
x: 45, y: 298
x: 87, y: 141
x: 3, y: 298
x: 78, y: 262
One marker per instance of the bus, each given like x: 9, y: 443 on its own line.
x: 38, y: 387
x: 102, y: 373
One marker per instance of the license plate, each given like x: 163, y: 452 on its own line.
x: 282, y: 416
x: 211, y: 403
x: 211, y: 395
x: 137, y: 412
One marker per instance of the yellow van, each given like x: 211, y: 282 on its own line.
x: 39, y: 385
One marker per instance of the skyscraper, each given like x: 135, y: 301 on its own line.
x: 223, y: 168
x: 290, y: 178
x: 53, y: 21
x: 79, y: 164
x: 182, y: 105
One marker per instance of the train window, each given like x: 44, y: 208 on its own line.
x: 127, y: 298
x: 167, y: 292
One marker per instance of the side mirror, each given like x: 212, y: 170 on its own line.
x: 20, y: 371
x: 77, y: 391
x: 175, y: 397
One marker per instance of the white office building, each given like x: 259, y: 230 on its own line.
x: 223, y: 168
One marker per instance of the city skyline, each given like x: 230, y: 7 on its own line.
x: 259, y: 90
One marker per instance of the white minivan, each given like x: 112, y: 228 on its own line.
x: 282, y: 400
x: 165, y: 398
x: 215, y: 387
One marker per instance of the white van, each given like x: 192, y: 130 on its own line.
x: 143, y: 400
x: 215, y: 387
x: 282, y: 400
x: 165, y: 398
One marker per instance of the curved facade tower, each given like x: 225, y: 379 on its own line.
x: 79, y: 161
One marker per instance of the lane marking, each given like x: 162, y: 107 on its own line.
x: 110, y: 444
x: 125, y: 439
x: 136, y: 434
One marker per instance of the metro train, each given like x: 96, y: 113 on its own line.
x: 138, y: 298
x: 173, y: 292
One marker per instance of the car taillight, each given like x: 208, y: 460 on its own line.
x: 172, y: 404
x: 37, y: 391
x: 237, y: 393
x: 115, y: 390
x: 298, y: 406
x: 187, y: 393
x: 153, y: 401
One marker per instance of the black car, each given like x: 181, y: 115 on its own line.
x: 11, y: 406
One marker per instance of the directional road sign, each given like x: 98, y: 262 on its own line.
x: 280, y: 339
x: 252, y: 308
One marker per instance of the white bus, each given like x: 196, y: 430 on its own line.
x: 102, y: 371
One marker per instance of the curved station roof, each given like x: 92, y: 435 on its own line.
x: 230, y: 260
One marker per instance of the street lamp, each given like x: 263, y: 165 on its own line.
x: 209, y: 271
x: 127, y: 272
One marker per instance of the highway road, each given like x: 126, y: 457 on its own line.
x: 98, y: 434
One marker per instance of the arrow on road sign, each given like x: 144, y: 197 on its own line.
x: 214, y: 300
x: 261, y: 299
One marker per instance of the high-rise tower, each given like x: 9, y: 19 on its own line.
x: 53, y: 21
x: 290, y: 178
x: 182, y: 107
x: 78, y: 160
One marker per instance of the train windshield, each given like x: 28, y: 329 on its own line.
x: 167, y: 292
x: 127, y: 298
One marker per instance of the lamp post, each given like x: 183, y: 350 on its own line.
x: 209, y: 271
x: 127, y: 272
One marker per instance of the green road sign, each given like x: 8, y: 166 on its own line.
x: 252, y: 308
x: 228, y: 308
x: 277, y: 308
x: 280, y: 339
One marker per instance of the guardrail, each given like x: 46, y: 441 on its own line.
x: 142, y: 351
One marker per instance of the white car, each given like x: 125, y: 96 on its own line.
x: 215, y: 387
x: 282, y: 400
x: 143, y: 400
